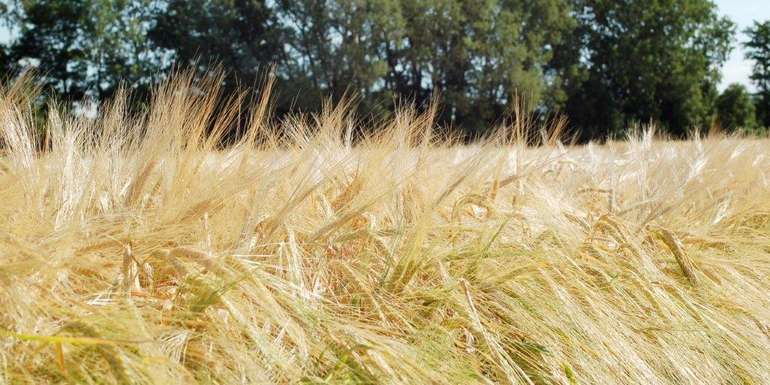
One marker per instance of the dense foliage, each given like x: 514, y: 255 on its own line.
x: 648, y: 61
x: 735, y: 109
x: 605, y: 64
x: 758, y: 48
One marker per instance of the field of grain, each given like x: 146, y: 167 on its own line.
x: 138, y: 250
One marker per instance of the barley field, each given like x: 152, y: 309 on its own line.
x: 137, y: 249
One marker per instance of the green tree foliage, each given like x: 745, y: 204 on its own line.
x: 332, y: 47
x: 476, y: 56
x: 758, y: 50
x: 606, y: 64
x: 735, y: 109
x: 646, y: 61
x: 241, y: 36
x: 5, y: 59
x: 85, y: 47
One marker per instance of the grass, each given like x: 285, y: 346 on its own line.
x: 137, y: 250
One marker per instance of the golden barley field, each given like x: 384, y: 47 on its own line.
x: 137, y: 249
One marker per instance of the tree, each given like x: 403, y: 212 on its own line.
x: 476, y: 57
x: 758, y: 50
x: 5, y: 58
x: 606, y: 64
x: 735, y: 109
x: 481, y: 56
x: 645, y: 61
x: 332, y: 48
x: 52, y: 37
x: 240, y: 36
x: 85, y: 47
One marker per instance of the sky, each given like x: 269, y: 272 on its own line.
x: 743, y: 13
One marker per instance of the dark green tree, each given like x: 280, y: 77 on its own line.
x: 481, y: 56
x: 241, y: 37
x: 84, y: 47
x: 6, y: 65
x: 758, y: 50
x: 645, y: 61
x: 605, y: 63
x: 476, y: 57
x: 332, y: 48
x: 735, y: 109
x: 53, y: 39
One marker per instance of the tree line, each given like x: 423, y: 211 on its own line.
x: 604, y: 64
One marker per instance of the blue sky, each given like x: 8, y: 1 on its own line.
x: 743, y: 13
